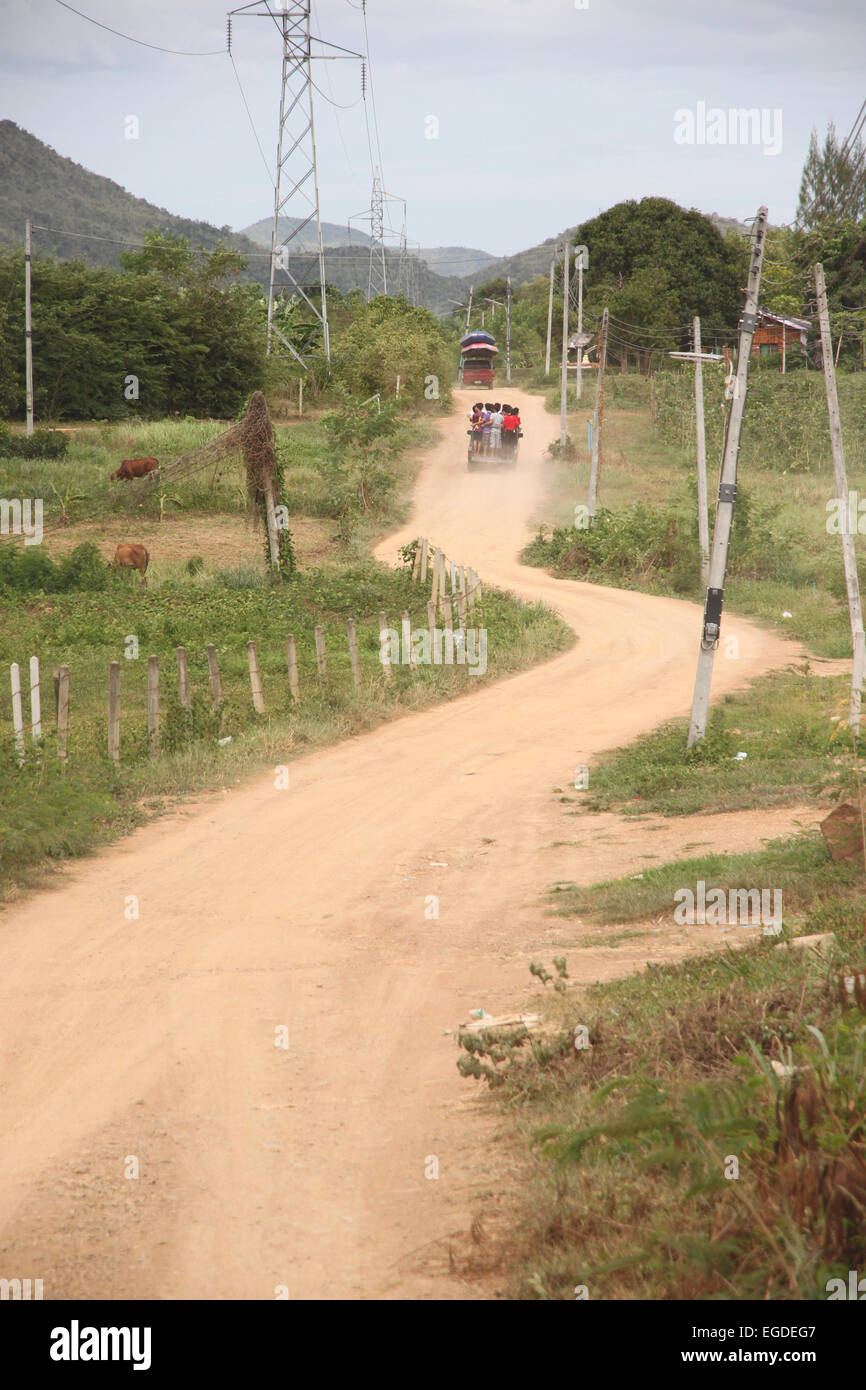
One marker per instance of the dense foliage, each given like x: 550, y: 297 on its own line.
x: 173, y: 321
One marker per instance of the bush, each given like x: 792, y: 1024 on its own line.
x: 621, y: 546
x: 27, y: 570
x: 41, y: 444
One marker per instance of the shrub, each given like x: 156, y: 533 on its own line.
x: 41, y: 444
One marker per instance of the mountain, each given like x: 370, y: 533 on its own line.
x: 38, y: 183
x: 448, y: 261
x: 463, y: 261
x: 333, y: 233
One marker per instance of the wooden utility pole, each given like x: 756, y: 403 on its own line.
x: 508, y: 330
x: 598, y: 416
x: 549, y: 318
x: 469, y: 307
x: 28, y: 330
x: 784, y: 347
x: 727, y: 491
x: 563, y: 385
x: 848, y: 524
x: 703, y: 514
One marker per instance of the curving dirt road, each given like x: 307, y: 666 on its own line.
x: 154, y: 1039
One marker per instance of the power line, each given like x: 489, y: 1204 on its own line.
x: 178, y: 52
x: 250, y: 118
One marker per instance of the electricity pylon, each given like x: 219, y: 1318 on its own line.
x: 377, y: 280
x: 296, y: 183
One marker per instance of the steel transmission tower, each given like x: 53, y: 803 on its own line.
x: 377, y: 280
x: 296, y: 184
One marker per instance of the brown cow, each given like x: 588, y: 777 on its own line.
x: 135, y: 468
x: 132, y: 557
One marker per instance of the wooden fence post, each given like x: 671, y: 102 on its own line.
x: 292, y: 660
x: 431, y: 626
x: 434, y: 587
x: 424, y: 557
x: 216, y: 688
x: 62, y: 711
x: 448, y: 656
x: 461, y: 610
x: 255, y: 679
x: 17, y: 715
x: 444, y: 599
x: 35, y: 700
x: 470, y: 589
x: 384, y: 646
x: 407, y: 638
x: 153, y: 704
x: 416, y: 562
x: 321, y: 662
x: 183, y: 678
x: 114, y: 711
x: 353, y: 652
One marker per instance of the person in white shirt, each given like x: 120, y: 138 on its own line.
x: 496, y: 420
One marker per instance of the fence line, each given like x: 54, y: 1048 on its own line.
x: 455, y: 595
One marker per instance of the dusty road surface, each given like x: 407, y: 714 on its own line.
x: 148, y: 1045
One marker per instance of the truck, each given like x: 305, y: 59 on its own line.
x: 477, y: 352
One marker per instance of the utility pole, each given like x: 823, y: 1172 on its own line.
x: 508, y: 330
x: 563, y: 385
x: 598, y: 417
x: 848, y: 524
x: 703, y: 516
x: 469, y: 307
x: 549, y: 320
x: 582, y: 256
x: 727, y: 491
x: 297, y: 167
x: 784, y: 346
x: 28, y: 329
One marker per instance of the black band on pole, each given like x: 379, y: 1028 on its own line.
x: 712, y: 617
x: 728, y: 492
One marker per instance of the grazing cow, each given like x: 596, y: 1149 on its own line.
x: 132, y: 557
x: 135, y: 468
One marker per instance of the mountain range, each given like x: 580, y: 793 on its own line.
x: 96, y: 216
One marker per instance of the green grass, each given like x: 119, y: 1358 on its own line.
x: 799, y: 866
x: 782, y: 557
x: 791, y: 724
x: 82, y: 477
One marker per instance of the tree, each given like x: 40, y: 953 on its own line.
x: 388, y: 338
x: 833, y: 185
x: 655, y: 265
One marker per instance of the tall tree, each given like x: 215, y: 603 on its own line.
x: 833, y: 185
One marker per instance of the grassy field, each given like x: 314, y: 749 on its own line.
x: 207, y: 584
x: 783, y: 559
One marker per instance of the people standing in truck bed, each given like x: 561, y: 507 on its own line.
x: 476, y: 422
x: 496, y: 419
x: 510, y: 427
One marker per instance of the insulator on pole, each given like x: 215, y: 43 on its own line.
x: 228, y: 33
x: 364, y: 80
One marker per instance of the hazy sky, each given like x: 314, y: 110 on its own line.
x: 547, y: 112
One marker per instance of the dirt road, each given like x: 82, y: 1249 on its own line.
x: 152, y: 1040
